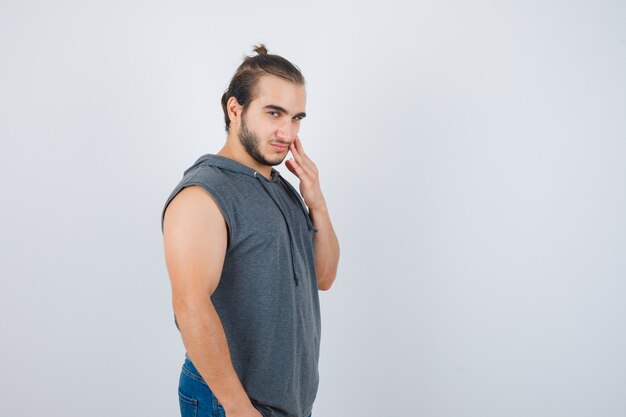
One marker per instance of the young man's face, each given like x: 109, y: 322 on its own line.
x: 272, y: 119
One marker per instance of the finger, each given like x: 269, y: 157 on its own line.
x: 296, y: 169
x: 300, y: 160
x: 290, y: 167
x: 300, y: 149
x: 298, y: 143
x: 306, y: 158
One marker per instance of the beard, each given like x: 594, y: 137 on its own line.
x: 251, y: 143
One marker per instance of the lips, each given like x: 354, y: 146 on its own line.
x: 279, y: 148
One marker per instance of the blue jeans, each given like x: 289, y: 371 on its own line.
x: 195, y: 397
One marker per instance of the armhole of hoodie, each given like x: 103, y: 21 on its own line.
x: 216, y: 198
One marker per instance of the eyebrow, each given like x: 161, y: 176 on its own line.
x: 278, y: 108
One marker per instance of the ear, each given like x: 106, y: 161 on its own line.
x: 234, y: 110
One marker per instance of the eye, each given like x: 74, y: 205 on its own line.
x: 298, y: 118
x: 273, y: 113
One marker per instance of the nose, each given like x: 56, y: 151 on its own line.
x: 285, y: 131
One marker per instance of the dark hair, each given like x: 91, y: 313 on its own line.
x: 244, y: 82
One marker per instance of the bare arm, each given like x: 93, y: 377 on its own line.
x: 326, y: 247
x: 195, y: 239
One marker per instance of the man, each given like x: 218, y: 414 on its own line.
x: 246, y: 258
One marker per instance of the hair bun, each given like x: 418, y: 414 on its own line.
x: 260, y: 49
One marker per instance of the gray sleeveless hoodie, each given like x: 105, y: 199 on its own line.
x: 267, y: 297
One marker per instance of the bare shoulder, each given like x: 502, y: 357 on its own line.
x: 192, y: 200
x: 195, y: 241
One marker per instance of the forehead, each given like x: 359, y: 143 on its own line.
x: 271, y: 89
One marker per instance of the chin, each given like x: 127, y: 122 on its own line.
x: 274, y: 158
x: 277, y: 161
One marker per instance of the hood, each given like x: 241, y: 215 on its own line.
x: 230, y: 165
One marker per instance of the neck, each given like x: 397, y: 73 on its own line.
x: 235, y: 151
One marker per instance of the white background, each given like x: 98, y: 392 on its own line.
x: 472, y: 155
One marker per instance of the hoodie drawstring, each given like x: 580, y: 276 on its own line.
x: 293, y: 263
x: 295, y: 195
